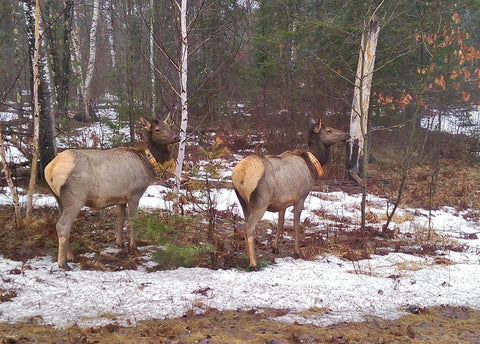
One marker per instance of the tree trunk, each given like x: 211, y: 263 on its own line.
x: 64, y: 86
x: 361, y: 99
x: 89, y: 114
x: 18, y: 65
x: 357, y: 158
x: 36, y: 115
x: 152, y: 57
x: 130, y: 61
x: 87, y: 76
x: 41, y: 93
x: 77, y: 56
x: 58, y: 29
x: 183, y: 69
x: 110, y: 34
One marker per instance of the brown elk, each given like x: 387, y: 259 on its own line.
x: 103, y: 178
x: 275, y: 182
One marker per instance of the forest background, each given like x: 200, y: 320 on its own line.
x: 256, y: 71
x: 280, y: 61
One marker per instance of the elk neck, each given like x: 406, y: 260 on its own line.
x: 159, y: 152
x: 319, y: 150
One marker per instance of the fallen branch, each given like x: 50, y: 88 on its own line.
x: 8, y: 175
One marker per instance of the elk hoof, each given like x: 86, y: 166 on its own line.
x: 252, y: 268
x: 275, y: 250
x: 65, y: 267
x: 296, y: 255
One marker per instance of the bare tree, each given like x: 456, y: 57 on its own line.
x: 361, y: 98
x: 357, y: 158
x: 36, y: 115
x: 87, y: 74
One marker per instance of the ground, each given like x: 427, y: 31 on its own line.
x: 434, y: 325
x: 456, y: 185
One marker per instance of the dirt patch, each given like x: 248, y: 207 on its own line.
x: 433, y: 325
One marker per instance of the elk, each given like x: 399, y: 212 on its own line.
x: 103, y: 178
x: 276, y: 182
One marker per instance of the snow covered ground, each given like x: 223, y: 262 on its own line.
x: 334, y: 290
x: 339, y: 290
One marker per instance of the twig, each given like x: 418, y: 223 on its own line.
x: 8, y: 175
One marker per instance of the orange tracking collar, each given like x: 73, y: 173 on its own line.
x: 315, y: 163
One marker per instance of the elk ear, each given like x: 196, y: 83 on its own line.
x: 146, y: 124
x: 167, y: 120
x: 318, y: 126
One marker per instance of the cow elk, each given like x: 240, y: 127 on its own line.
x: 275, y: 182
x: 103, y: 178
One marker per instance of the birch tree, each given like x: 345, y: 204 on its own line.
x: 87, y: 74
x: 180, y: 55
x: 152, y: 55
x: 110, y: 33
x: 183, y: 74
x: 36, y: 115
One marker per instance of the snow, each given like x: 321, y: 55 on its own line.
x: 382, y: 286
x: 340, y: 290
x: 466, y: 122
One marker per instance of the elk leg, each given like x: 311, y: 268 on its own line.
x: 70, y: 256
x: 296, y: 223
x: 132, y: 208
x: 63, y: 226
x: 121, y: 215
x: 253, y: 217
x: 281, y: 219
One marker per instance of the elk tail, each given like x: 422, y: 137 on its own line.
x: 246, y: 175
x: 58, y: 170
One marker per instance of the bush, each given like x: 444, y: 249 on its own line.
x: 187, y: 256
x: 173, y: 234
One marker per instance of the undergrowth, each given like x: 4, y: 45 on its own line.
x: 175, y: 237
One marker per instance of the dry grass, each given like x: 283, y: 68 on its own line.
x: 441, y: 172
x: 434, y: 325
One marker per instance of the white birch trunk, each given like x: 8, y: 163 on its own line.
x: 87, y: 76
x: 91, y: 57
x: 361, y: 98
x: 183, y: 69
x: 152, y: 56
x: 77, y: 55
x: 111, y: 40
x: 36, y: 116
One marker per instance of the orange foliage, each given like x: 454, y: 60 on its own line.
x: 440, y: 81
x: 455, y: 17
